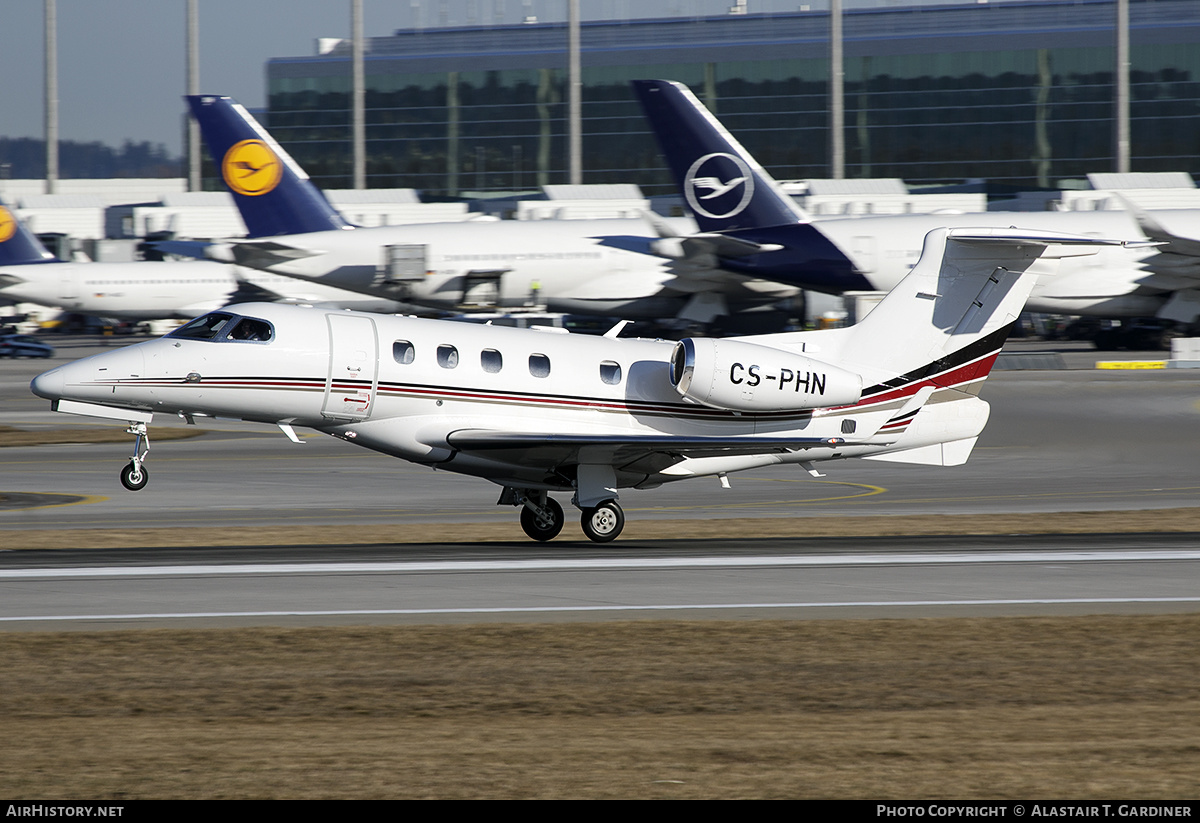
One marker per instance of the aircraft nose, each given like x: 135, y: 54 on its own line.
x: 49, y: 384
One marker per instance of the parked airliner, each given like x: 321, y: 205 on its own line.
x: 146, y: 290
x: 598, y: 267
x: 539, y: 412
x: 736, y: 203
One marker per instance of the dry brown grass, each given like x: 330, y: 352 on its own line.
x: 1151, y: 520
x: 1101, y: 707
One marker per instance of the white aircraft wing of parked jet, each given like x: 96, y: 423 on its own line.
x: 541, y: 413
x: 599, y: 267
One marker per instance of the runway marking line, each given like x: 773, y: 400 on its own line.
x: 642, y: 608
x: 607, y: 564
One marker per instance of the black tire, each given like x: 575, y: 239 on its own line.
x: 538, y: 531
x: 603, y: 523
x: 134, y: 482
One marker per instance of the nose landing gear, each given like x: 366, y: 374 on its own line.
x: 135, y: 476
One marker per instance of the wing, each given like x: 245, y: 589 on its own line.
x: 642, y: 453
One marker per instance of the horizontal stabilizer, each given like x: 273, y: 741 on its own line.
x: 260, y: 255
x: 720, y: 245
x: 954, y: 453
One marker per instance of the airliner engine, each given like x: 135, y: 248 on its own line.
x: 728, y: 374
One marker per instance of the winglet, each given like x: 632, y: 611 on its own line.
x: 272, y: 192
x: 723, y: 184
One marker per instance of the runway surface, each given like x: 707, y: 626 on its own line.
x: 1074, y: 440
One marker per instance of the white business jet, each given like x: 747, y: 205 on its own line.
x: 538, y: 412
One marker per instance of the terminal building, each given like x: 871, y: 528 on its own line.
x: 1020, y: 94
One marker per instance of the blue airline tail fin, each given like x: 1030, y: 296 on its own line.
x: 723, y: 184
x: 18, y: 245
x: 745, y: 218
x: 272, y: 192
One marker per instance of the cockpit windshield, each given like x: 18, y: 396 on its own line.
x: 222, y: 326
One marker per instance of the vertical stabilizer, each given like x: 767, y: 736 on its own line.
x: 272, y: 192
x: 18, y: 245
x: 723, y: 184
x: 946, y: 321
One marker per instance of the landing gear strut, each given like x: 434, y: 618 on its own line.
x: 541, y: 516
x: 546, y: 524
x: 135, y: 476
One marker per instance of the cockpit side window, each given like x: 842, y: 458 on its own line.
x: 223, y: 326
x: 208, y: 327
x: 250, y: 329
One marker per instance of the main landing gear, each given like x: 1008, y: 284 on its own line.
x: 542, y: 517
x: 603, y: 523
x: 543, y: 522
x: 135, y: 476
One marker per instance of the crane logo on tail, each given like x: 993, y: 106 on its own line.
x: 251, y: 168
x: 8, y: 224
x: 719, y: 185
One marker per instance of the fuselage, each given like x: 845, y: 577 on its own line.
x: 1115, y: 282
x: 598, y: 267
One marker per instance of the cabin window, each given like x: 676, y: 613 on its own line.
x: 447, y: 356
x: 491, y: 360
x: 610, y: 372
x: 539, y: 365
x: 403, y: 352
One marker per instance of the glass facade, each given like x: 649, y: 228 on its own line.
x: 1017, y: 93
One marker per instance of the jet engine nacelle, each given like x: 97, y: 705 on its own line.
x: 729, y: 374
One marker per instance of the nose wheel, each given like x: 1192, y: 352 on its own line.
x: 135, y: 476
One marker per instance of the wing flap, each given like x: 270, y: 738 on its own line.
x: 648, y: 452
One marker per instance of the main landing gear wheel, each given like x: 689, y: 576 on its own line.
x: 604, y: 522
x: 544, y: 528
x: 134, y: 477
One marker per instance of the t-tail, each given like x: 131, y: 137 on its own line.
x: 18, y: 245
x: 745, y: 218
x: 945, y: 322
x: 935, y: 337
x: 272, y: 192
